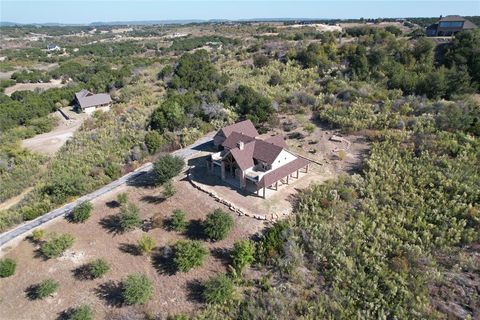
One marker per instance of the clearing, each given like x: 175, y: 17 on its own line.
x: 50, y: 142
x: 54, y: 83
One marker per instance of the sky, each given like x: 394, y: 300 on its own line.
x: 84, y: 12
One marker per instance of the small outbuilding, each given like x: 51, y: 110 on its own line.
x: 89, y: 102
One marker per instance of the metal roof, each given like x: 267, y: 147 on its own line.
x: 86, y: 99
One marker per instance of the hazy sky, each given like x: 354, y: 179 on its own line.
x: 74, y: 11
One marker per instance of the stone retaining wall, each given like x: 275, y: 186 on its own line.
x: 231, y: 206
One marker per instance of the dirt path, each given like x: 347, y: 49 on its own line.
x: 32, y: 86
x: 13, y: 201
x: 50, y: 142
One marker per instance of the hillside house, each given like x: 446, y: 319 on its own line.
x: 89, y: 102
x: 448, y: 26
x: 255, y: 163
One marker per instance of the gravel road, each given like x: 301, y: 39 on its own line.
x: 23, y: 229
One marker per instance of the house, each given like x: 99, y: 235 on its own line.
x: 255, y: 163
x: 448, y: 26
x: 89, y: 102
x: 53, y: 47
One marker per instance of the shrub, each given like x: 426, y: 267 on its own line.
x: 98, y: 268
x: 7, y: 267
x: 309, y: 127
x: 57, y: 245
x: 153, y: 141
x: 44, y: 289
x: 218, y: 224
x: 188, y: 255
x: 218, y: 289
x: 137, y: 289
x: 81, y: 212
x: 271, y: 244
x: 83, y: 312
x: 38, y: 234
x: 122, y: 198
x: 129, y: 218
x: 146, y: 244
x: 167, y: 167
x: 168, y: 189
x: 243, y: 254
x: 177, y: 220
x: 260, y: 60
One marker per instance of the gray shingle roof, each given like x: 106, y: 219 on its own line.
x: 86, y: 99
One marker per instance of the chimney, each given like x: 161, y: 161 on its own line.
x: 240, y: 145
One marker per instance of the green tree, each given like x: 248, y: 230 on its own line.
x: 129, y: 217
x: 146, y: 244
x: 81, y: 212
x: 45, y: 288
x: 83, y: 312
x: 219, y: 289
x: 218, y: 224
x: 177, y: 221
x: 137, y: 289
x: 98, y: 268
x: 188, y: 255
x: 243, y: 254
x: 56, y: 245
x: 250, y: 104
x: 7, y: 267
x: 153, y: 141
x: 167, y: 167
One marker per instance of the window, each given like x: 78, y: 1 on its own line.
x: 451, y: 24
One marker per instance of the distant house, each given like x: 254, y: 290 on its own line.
x: 89, y: 102
x: 257, y: 164
x: 448, y: 26
x: 53, y: 47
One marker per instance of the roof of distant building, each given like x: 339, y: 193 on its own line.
x: 87, y: 99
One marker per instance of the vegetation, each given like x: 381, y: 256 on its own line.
x: 44, y: 289
x: 146, y: 244
x: 38, y: 234
x: 81, y: 212
x: 217, y: 225
x: 168, y: 189
x: 98, y: 268
x: 137, y: 289
x: 167, y: 167
x: 7, y: 267
x: 83, y: 312
x: 122, y: 198
x: 219, y: 289
x: 129, y: 217
x: 188, y: 255
x: 243, y: 254
x: 54, y: 247
x: 177, y: 221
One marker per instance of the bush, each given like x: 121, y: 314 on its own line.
x: 153, y: 141
x: 167, y: 167
x: 57, y: 245
x: 137, y: 289
x: 129, y: 218
x: 7, y: 267
x: 98, y: 268
x: 38, y: 234
x: 168, y: 189
x: 146, y: 244
x: 44, y: 289
x: 218, y: 289
x: 83, y: 312
x: 260, y: 60
x: 218, y: 224
x: 81, y: 212
x: 177, y: 221
x: 243, y: 254
x: 271, y: 244
x: 188, y: 255
x: 122, y: 198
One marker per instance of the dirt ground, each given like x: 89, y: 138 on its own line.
x: 54, y: 83
x: 174, y: 292
x: 50, y: 142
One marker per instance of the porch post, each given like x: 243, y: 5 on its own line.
x: 287, y: 178
x: 297, y: 173
x: 222, y: 169
x: 263, y: 192
x: 276, y: 185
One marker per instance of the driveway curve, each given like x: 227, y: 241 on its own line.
x: 23, y: 229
